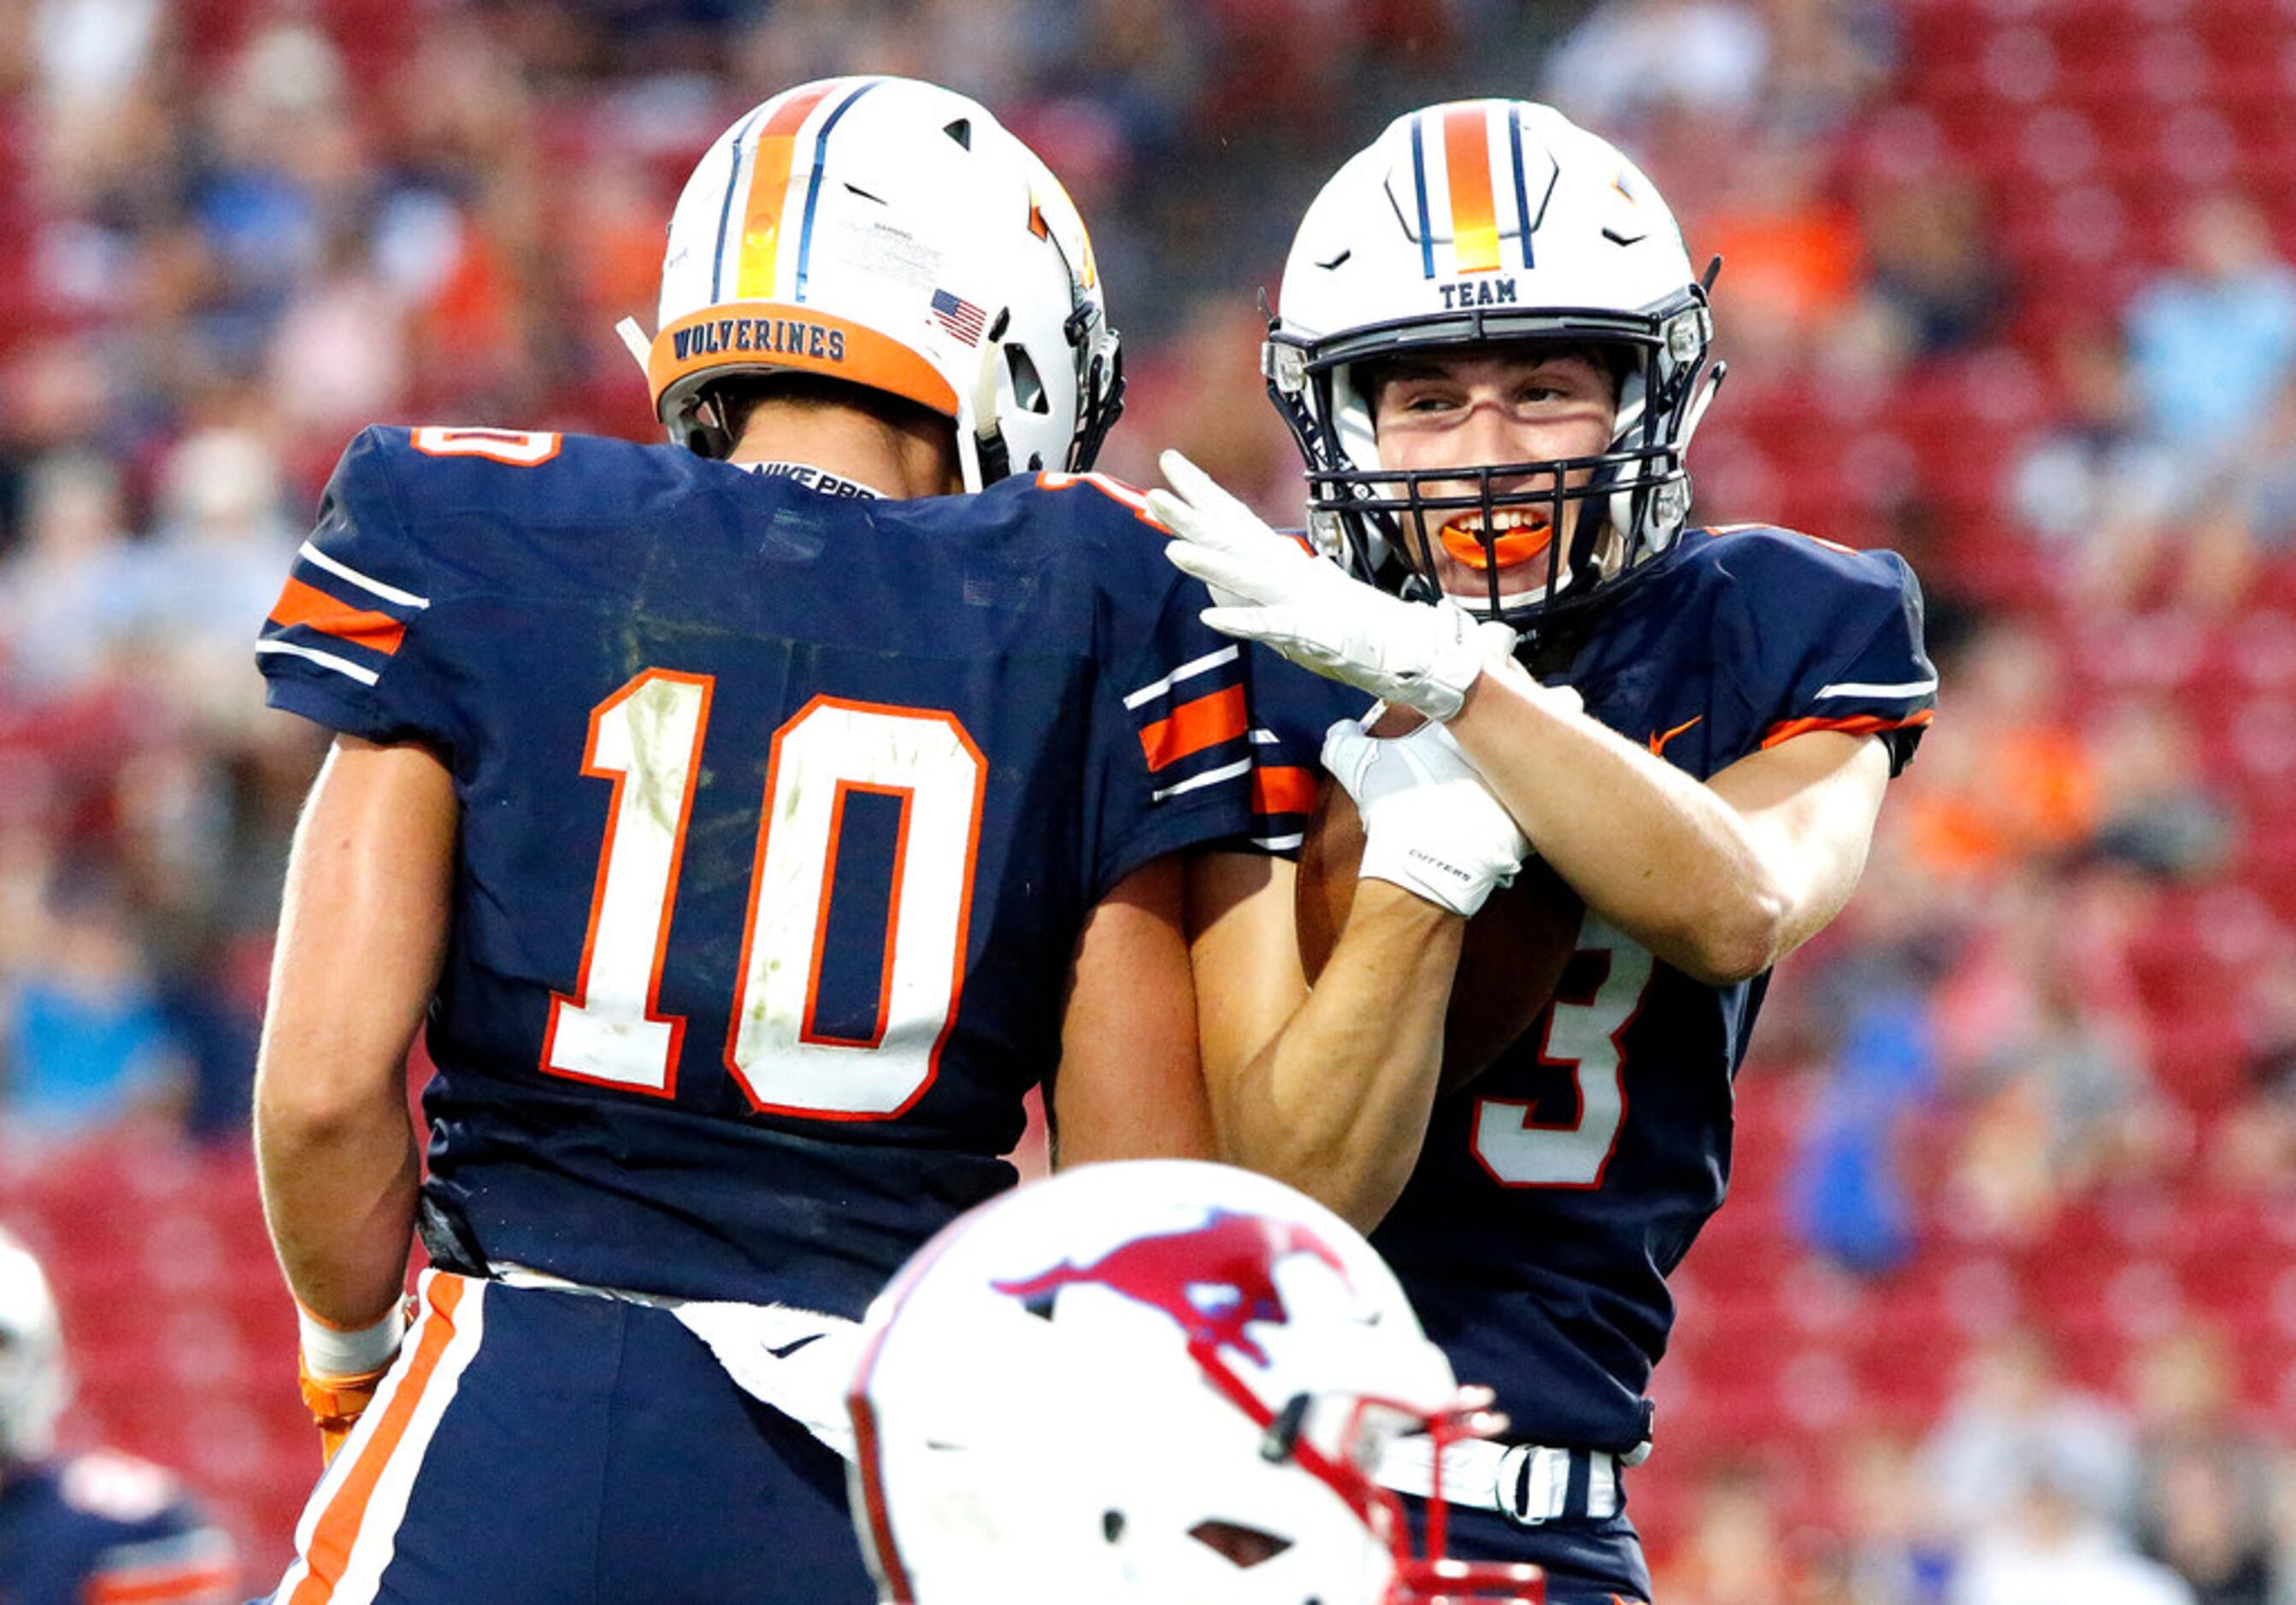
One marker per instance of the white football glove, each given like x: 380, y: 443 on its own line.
x: 1430, y: 825
x: 1268, y: 588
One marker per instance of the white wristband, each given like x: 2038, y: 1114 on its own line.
x: 329, y: 1351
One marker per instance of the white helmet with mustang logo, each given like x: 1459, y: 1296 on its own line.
x: 1151, y: 1380
x: 1480, y: 222
x: 893, y: 234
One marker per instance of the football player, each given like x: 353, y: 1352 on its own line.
x: 76, y: 1528
x: 1153, y: 1381
x: 751, y: 822
x: 1493, y: 352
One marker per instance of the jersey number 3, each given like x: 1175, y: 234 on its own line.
x: 646, y: 738
x: 1584, y: 1034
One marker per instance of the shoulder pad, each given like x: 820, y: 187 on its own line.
x: 513, y: 473
x: 1768, y: 549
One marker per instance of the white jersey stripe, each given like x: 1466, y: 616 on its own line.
x: 1189, y: 670
x: 1209, y: 777
x: 1860, y: 688
x: 341, y: 666
x: 1280, y: 844
x: 364, y: 582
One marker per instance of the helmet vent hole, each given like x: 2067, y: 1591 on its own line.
x: 961, y: 131
x: 1111, y: 1525
x: 1246, y: 1546
x: 1027, y: 384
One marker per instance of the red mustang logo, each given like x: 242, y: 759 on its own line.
x: 1213, y: 1279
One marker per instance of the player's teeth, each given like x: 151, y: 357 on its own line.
x: 1503, y: 523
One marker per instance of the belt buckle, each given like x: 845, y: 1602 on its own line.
x: 1523, y: 1485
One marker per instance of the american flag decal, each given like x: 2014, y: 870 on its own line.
x: 960, y: 317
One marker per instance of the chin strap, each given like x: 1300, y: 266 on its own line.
x: 635, y: 340
x: 990, y: 459
x: 1698, y: 403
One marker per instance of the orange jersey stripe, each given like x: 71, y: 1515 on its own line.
x: 1282, y: 789
x: 1864, y: 724
x: 1474, y: 215
x: 338, y: 1526
x: 304, y: 605
x: 1192, y: 727
x: 155, y: 1586
x: 769, y: 180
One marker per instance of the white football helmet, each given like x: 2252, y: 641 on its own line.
x: 893, y: 234
x: 34, y: 1384
x: 1479, y: 222
x: 1153, y: 1380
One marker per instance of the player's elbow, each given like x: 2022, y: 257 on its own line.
x: 298, y: 1121
x: 1738, y: 940
x: 307, y: 1108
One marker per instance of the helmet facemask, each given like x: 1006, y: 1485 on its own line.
x: 1608, y: 515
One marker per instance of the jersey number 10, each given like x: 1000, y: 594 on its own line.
x: 647, y: 738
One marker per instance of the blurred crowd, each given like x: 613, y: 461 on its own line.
x: 233, y: 231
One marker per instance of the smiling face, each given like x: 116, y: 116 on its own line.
x: 1488, y: 406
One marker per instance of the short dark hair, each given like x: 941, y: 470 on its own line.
x: 737, y: 397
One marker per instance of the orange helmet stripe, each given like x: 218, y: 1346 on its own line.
x: 1474, y: 214
x: 769, y: 182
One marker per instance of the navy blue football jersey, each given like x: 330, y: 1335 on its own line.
x: 782, y: 811
x: 1556, y: 1191
x: 106, y: 1527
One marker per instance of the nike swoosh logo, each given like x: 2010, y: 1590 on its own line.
x: 1658, y: 742
x: 787, y: 1349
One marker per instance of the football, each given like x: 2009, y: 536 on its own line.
x: 1516, y: 948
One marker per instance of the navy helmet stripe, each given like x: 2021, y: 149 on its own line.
x: 813, y: 185
x: 1521, y: 194
x: 1419, y: 177
x: 725, y: 212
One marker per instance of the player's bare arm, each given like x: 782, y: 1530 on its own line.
x: 362, y: 935
x: 1328, y: 1090
x: 1720, y: 879
x: 1129, y: 1084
